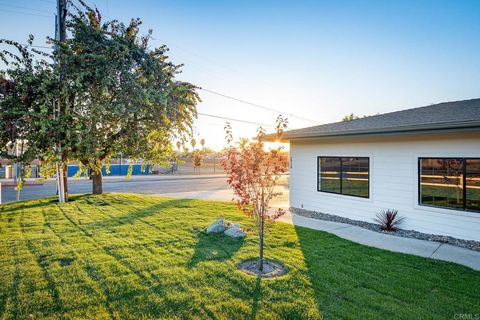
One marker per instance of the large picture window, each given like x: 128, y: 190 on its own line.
x: 344, y: 175
x: 450, y: 183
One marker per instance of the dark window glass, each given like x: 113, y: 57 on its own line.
x: 355, y: 177
x: 330, y: 174
x: 344, y: 175
x: 441, y: 182
x: 450, y: 183
x: 473, y: 184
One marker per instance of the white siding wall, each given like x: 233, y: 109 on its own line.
x: 393, y: 180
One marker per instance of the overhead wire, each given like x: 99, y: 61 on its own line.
x: 205, y: 61
x: 255, y: 104
x: 233, y: 119
x: 26, y: 13
x: 22, y: 7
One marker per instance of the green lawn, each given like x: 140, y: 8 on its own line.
x: 131, y: 256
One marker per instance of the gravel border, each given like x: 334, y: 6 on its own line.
x: 468, y: 244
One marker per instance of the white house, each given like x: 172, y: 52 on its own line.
x: 423, y: 162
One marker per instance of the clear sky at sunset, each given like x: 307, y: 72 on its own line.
x: 317, y: 60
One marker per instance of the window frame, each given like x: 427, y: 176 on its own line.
x: 464, y: 190
x: 341, y: 176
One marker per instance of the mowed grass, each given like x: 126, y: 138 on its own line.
x: 131, y: 257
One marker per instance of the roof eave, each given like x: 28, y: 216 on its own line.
x: 437, y: 128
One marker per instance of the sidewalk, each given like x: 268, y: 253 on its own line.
x: 422, y: 248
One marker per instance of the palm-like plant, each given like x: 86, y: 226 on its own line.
x: 389, y: 220
x: 193, y: 142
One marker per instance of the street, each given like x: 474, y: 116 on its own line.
x: 209, y: 187
x: 151, y: 185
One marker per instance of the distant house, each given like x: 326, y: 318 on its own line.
x: 424, y: 162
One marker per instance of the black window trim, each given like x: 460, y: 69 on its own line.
x: 340, y: 193
x: 464, y: 193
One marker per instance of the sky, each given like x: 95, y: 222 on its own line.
x: 315, y: 61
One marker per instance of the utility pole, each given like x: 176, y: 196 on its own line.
x: 60, y: 34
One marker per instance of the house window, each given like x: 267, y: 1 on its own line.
x: 450, y: 183
x: 344, y: 175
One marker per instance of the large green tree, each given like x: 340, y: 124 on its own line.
x: 112, y: 93
x: 121, y: 96
x: 27, y: 89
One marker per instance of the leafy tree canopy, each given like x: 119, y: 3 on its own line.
x: 350, y: 117
x: 114, y: 94
x: 27, y: 88
x: 123, y: 96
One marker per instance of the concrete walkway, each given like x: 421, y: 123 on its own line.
x: 422, y: 248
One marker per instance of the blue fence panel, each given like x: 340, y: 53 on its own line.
x: 115, y: 170
x: 72, y: 170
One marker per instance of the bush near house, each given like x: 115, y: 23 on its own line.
x: 389, y: 220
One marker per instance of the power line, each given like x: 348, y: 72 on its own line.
x: 42, y: 47
x: 203, y: 59
x: 21, y: 7
x: 233, y: 119
x: 35, y: 46
x: 255, y: 105
x: 26, y: 13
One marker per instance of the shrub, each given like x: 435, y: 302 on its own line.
x: 389, y: 220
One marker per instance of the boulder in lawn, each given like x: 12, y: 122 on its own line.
x: 217, y: 226
x: 235, y: 233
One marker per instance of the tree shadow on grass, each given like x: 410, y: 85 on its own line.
x: 213, y: 247
x: 132, y: 217
x: 37, y: 203
x: 24, y: 204
x: 257, y: 297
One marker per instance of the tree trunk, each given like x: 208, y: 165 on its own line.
x: 97, y: 187
x: 65, y: 182
x: 260, y: 262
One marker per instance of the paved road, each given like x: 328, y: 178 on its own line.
x: 198, y: 187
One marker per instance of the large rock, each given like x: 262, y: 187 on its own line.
x: 235, y: 232
x: 217, y: 226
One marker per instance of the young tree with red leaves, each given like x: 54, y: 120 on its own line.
x: 252, y: 173
x: 197, y: 161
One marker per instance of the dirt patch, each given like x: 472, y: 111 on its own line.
x: 271, y: 269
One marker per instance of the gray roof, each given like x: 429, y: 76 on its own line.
x: 453, y: 115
